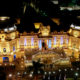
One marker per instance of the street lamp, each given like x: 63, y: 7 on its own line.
x: 54, y: 72
x: 18, y: 73
x: 30, y: 75
x: 32, y: 72
x: 44, y: 77
x: 25, y: 72
x: 49, y: 72
x: 48, y: 77
x: 5, y: 64
x: 77, y: 68
x: 45, y: 73
x: 65, y: 69
x: 10, y: 75
x: 38, y: 72
x: 59, y: 70
x: 71, y: 69
x: 76, y: 74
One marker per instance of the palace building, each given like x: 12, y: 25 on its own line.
x: 13, y: 44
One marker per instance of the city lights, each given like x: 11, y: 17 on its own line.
x: 2, y: 18
x: 25, y: 72
x: 49, y: 72
x: 71, y: 69
x: 54, y: 72
x: 10, y: 75
x: 18, y: 73
x: 76, y: 74
x: 30, y: 75
x: 40, y: 40
x: 59, y: 70
x: 77, y: 68
x: 38, y: 72
x: 65, y: 69
x: 45, y: 73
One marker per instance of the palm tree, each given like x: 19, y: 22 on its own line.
x: 31, y: 3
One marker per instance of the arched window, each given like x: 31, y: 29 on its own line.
x: 32, y: 41
x: 61, y: 40
x: 40, y: 44
x: 55, y: 40
x: 49, y: 44
x: 13, y: 48
x: 25, y: 42
x: 4, y: 49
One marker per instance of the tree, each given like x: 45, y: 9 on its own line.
x: 36, y: 68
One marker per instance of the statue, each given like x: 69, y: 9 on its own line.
x: 44, y: 30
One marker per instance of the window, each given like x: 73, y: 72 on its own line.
x: 4, y: 49
x: 25, y: 42
x: 49, y: 44
x: 54, y: 40
x: 13, y: 48
x: 32, y: 41
x: 61, y: 41
x: 40, y: 44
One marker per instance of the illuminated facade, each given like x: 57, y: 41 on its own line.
x: 74, y: 37
x: 13, y: 44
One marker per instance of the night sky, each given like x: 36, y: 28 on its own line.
x: 42, y: 11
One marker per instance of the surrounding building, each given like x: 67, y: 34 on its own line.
x: 13, y: 44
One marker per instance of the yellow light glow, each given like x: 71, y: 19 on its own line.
x: 76, y: 33
x: 45, y: 33
x: 76, y: 50
x: 45, y: 30
x: 37, y: 25
x: 56, y: 20
x: 4, y: 18
x: 18, y: 20
x: 32, y: 46
x: 70, y: 30
x: 13, y: 35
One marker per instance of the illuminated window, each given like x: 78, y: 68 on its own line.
x: 40, y: 44
x: 49, y: 44
x: 54, y: 40
x: 25, y: 42
x: 5, y: 59
x: 67, y: 41
x: 14, y: 56
x: 4, y: 49
x: 13, y: 48
x: 61, y: 41
x: 32, y: 41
